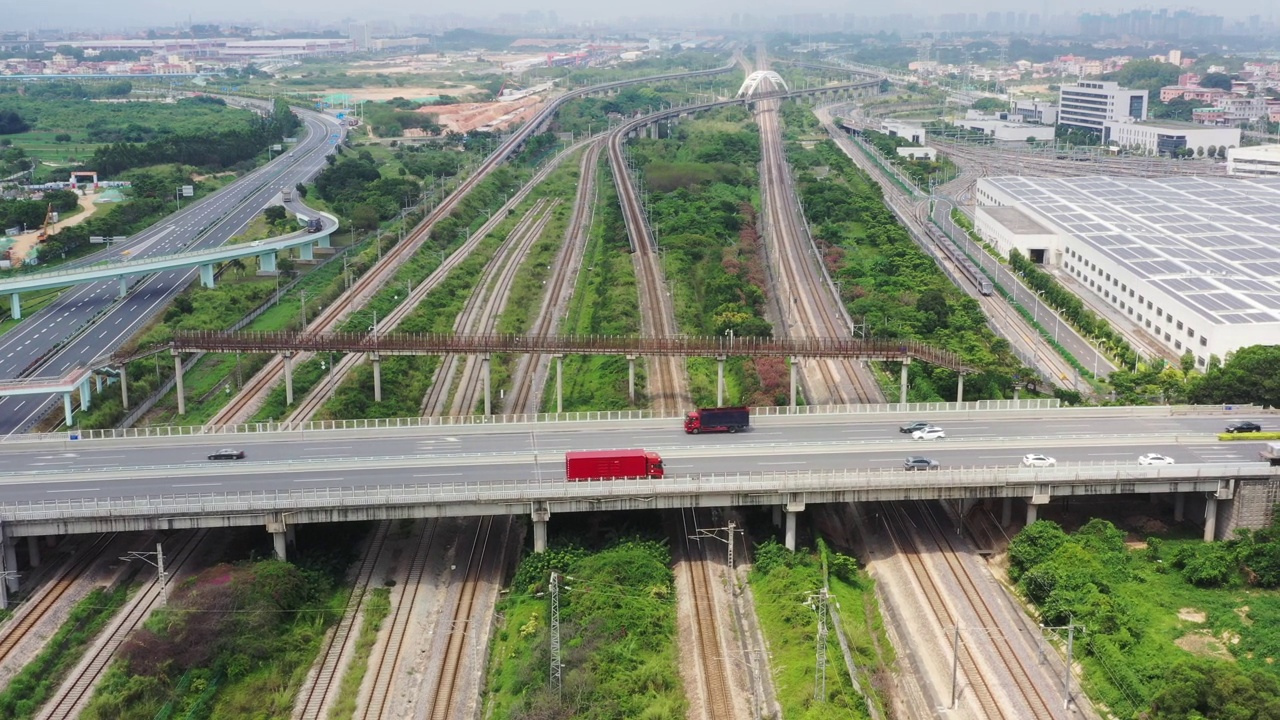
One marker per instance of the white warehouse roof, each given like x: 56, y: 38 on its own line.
x: 1213, y: 243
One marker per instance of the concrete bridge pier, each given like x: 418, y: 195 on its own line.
x: 206, y: 275
x: 33, y: 550
x: 793, y: 510
x: 10, y: 564
x: 1179, y: 506
x: 84, y: 394
x: 1006, y: 512
x: 720, y: 381
x: 1211, y: 518
x: 15, y: 306
x: 559, y: 383
x: 377, y: 376
x: 631, y: 378
x: 323, y: 243
x: 488, y: 378
x: 177, y: 369
x: 124, y: 286
x: 541, y: 515
x: 902, y: 392
x: 288, y: 378
x: 267, y: 264
x: 66, y: 407
x: 304, y: 253
x: 97, y: 379
x: 279, y: 535
x: 794, y: 362
x: 124, y: 385
x: 1033, y: 504
x: 960, y: 388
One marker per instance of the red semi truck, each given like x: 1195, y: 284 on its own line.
x: 611, y: 464
x: 723, y: 419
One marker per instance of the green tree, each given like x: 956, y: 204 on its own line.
x: 1035, y: 544
x: 275, y: 213
x: 1221, y: 81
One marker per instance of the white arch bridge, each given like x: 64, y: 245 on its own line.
x: 752, y: 83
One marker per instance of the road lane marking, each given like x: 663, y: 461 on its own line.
x: 1102, y: 454
x: 318, y: 480
x: 197, y: 484
x: 74, y: 490
x: 790, y: 462
x: 439, y: 475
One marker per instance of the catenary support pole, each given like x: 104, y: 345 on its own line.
x: 177, y: 370
x: 488, y: 406
x: 719, y: 381
x: 794, y: 363
x: 288, y: 378
x: 631, y: 378
x: 559, y: 383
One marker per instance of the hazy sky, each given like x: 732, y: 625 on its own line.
x: 117, y: 14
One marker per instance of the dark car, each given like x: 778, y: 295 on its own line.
x: 919, y: 462
x: 914, y: 426
x: 225, y: 454
x: 1244, y: 426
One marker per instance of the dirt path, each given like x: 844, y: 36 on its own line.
x: 24, y: 242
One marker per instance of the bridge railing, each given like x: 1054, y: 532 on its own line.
x: 503, y: 494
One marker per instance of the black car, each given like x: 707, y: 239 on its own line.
x: 1244, y: 426
x: 918, y: 462
x: 914, y: 426
x: 225, y: 454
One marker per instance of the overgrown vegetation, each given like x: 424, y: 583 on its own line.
x: 784, y: 584
x: 1181, y: 629
x: 703, y: 209
x: 236, y: 640
x: 921, y: 172
x: 617, y: 628
x: 895, y: 286
x: 38, y: 679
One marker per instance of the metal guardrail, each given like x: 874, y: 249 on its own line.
x: 891, y: 410
x: 505, y: 493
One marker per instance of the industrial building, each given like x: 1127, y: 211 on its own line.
x: 1091, y: 104
x: 1036, y: 111
x: 1193, y: 262
x: 1167, y: 138
x: 1005, y: 128
x: 1257, y: 161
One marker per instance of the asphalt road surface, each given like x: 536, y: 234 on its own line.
x: 31, y: 349
x: 53, y: 471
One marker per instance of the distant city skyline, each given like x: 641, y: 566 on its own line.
x: 136, y: 14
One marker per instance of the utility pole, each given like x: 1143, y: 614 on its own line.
x: 714, y: 533
x: 1071, y: 628
x: 162, y: 577
x: 818, y: 601
x: 556, y: 680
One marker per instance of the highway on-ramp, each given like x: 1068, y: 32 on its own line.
x: 93, y: 315
x: 65, y: 470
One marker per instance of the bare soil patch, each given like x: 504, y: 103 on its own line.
x: 408, y: 92
x: 1192, y: 615
x: 1204, y: 644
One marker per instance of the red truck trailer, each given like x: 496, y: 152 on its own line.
x: 611, y: 464
x: 723, y: 419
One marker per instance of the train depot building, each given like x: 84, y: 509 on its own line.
x: 1193, y: 262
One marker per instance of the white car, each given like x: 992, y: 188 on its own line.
x: 1154, y: 459
x: 1036, y: 460
x: 929, y: 433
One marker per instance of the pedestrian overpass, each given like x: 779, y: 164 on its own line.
x: 264, y: 250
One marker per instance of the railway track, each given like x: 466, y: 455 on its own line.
x: 699, y: 572
x: 319, y: 689
x: 526, y: 388
x: 480, y: 315
x: 250, y: 396
x: 905, y: 529
x: 76, y: 690
x: 37, y: 608
x: 448, y: 681
x: 807, y: 309
x: 403, y: 598
x: 666, y: 377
